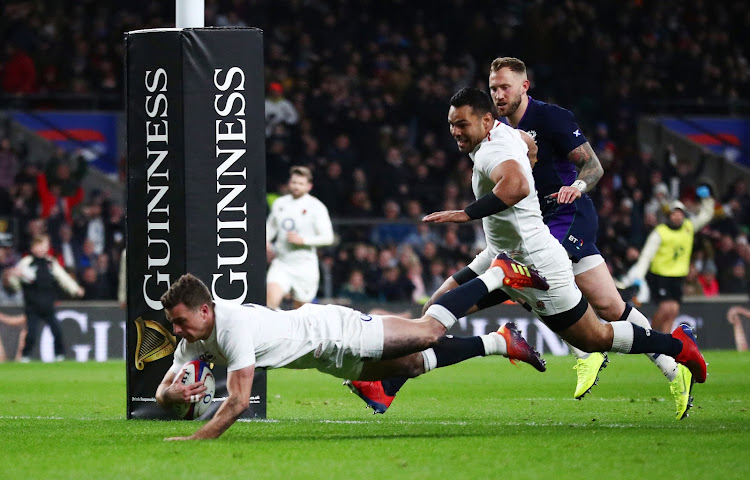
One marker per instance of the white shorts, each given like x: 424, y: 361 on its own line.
x: 553, y: 264
x: 301, y: 280
x: 587, y: 263
x: 345, y: 338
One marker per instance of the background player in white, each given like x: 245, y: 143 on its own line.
x: 299, y: 223
x: 333, y: 339
x: 567, y: 168
x: 508, y: 206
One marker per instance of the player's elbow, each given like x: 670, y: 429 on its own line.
x: 239, y: 403
x: 523, y: 190
x: 598, y: 173
x: 518, y: 193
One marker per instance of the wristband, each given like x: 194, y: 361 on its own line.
x: 580, y: 185
x: 485, y: 206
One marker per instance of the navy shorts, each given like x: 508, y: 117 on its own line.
x: 574, y: 225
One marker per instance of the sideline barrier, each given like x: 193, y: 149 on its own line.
x: 96, y: 332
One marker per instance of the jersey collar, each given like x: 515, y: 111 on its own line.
x: 486, y: 139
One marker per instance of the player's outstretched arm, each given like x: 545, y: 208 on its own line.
x: 239, y: 385
x: 510, y: 188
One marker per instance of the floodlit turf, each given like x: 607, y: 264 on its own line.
x: 481, y: 419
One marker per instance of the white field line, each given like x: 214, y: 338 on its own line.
x: 378, y: 422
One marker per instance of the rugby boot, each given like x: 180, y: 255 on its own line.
x: 372, y: 393
x: 518, y: 275
x: 690, y: 355
x: 587, y: 371
x: 682, y: 389
x: 519, y: 349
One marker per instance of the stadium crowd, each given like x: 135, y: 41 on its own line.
x: 359, y: 91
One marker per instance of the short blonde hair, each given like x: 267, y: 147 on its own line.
x: 301, y: 171
x: 39, y: 238
x: 514, y: 64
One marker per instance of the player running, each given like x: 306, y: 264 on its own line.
x: 297, y: 225
x: 504, y: 187
x: 567, y: 168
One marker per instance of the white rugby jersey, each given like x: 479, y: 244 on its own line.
x: 306, y: 215
x: 518, y: 230
x: 252, y: 334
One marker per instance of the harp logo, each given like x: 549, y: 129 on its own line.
x: 154, y: 342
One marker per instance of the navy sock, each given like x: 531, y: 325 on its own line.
x: 459, y: 300
x: 647, y: 341
x: 450, y: 350
x: 392, y: 385
x: 624, y: 316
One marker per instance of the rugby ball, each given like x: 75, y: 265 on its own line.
x: 195, y: 371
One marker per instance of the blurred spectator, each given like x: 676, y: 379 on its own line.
x: 88, y: 255
x: 107, y: 277
x: 39, y: 274
x: 394, y: 286
x: 279, y: 110
x: 8, y: 260
x: 53, y: 203
x: 354, y: 289
x: 19, y: 74
x: 707, y: 279
x: 392, y: 230
x: 8, y: 169
x: 737, y: 282
x: 114, y: 230
x: 69, y: 250
x: 725, y: 257
x: 91, y: 284
x: 658, y: 205
x: 692, y: 286
x: 332, y: 188
x: 94, y: 226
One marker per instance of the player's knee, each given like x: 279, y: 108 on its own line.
x: 609, y: 308
x: 432, y: 333
x: 669, y: 307
x: 414, y: 367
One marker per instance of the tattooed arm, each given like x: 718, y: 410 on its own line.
x: 589, y: 168
x: 589, y: 172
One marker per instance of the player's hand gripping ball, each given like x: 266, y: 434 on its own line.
x: 195, y: 371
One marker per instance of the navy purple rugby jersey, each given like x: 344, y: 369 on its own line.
x: 556, y: 134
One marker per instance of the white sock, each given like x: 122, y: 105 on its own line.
x: 666, y: 364
x: 622, y: 338
x: 430, y: 360
x: 442, y: 315
x: 492, y: 278
x: 494, y: 344
x: 577, y: 352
